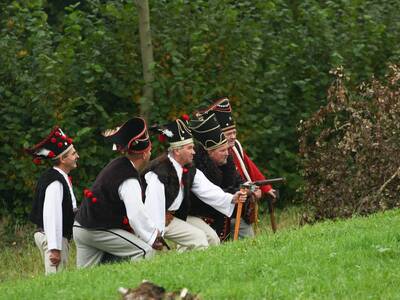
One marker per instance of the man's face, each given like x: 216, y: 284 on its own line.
x: 185, y: 154
x: 220, y: 155
x: 230, y: 135
x: 69, y: 160
x: 147, y: 155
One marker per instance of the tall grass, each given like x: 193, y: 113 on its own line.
x: 352, y: 259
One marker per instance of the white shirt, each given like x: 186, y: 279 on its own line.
x: 130, y: 192
x: 204, y: 189
x: 52, y: 211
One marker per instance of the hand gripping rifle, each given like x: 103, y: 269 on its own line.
x: 251, y: 187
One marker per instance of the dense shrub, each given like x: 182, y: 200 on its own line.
x: 350, y: 149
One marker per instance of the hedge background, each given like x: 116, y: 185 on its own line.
x: 78, y: 65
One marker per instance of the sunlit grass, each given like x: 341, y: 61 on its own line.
x: 352, y: 259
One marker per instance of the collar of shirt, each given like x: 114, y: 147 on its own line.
x: 63, y: 174
x: 177, y: 166
x: 71, y: 191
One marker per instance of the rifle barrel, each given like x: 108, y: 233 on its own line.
x: 269, y: 181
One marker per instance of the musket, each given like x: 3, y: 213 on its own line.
x: 251, y: 186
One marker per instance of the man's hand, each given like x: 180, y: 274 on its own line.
x: 272, y: 193
x: 55, y: 257
x: 257, y: 193
x: 239, y: 196
x: 158, y: 242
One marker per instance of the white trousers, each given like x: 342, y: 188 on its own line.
x: 92, y: 244
x: 41, y: 243
x: 192, y: 234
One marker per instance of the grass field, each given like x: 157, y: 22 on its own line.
x: 352, y: 259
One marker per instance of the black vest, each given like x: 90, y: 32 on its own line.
x: 108, y: 211
x: 226, y: 177
x: 166, y: 173
x: 36, y: 215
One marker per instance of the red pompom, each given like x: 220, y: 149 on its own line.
x: 69, y: 140
x: 89, y: 194
x: 94, y: 200
x: 162, y: 138
x: 37, y: 161
x: 51, y: 154
x: 53, y: 140
x: 185, y: 170
x: 85, y: 192
x: 185, y: 117
x: 59, y: 145
x: 125, y: 221
x: 57, y: 133
x: 63, y: 137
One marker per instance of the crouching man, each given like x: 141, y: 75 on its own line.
x: 112, y: 219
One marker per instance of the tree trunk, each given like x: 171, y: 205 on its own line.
x: 146, y: 48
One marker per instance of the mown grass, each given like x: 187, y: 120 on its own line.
x: 353, y: 259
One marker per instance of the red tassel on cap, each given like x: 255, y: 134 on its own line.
x: 185, y: 117
x: 51, y: 154
x: 53, y: 140
x: 37, y: 161
x: 69, y: 140
x: 162, y: 138
x: 94, y: 200
x: 57, y: 133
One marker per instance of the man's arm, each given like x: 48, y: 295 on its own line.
x: 53, y: 220
x: 212, y: 194
x: 131, y: 194
x: 155, y: 200
x: 255, y: 175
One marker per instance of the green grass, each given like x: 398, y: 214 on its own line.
x: 353, y: 259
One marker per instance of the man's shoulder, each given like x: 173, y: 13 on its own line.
x: 158, y: 163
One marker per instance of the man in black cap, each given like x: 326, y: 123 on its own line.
x: 213, y: 159
x: 245, y: 166
x: 112, y: 219
x: 170, y: 179
x: 54, y: 202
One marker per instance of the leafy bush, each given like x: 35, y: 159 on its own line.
x: 350, y: 149
x: 77, y: 64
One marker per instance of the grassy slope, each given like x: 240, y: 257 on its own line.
x: 354, y: 259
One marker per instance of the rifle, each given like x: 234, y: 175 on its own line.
x: 251, y: 187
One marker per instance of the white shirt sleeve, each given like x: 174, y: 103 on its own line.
x: 155, y: 200
x: 131, y: 194
x: 212, y: 194
x: 52, y: 215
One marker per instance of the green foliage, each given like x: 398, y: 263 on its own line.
x: 350, y: 149
x: 78, y: 64
x: 356, y: 258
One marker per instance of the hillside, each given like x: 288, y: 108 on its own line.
x: 357, y: 259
